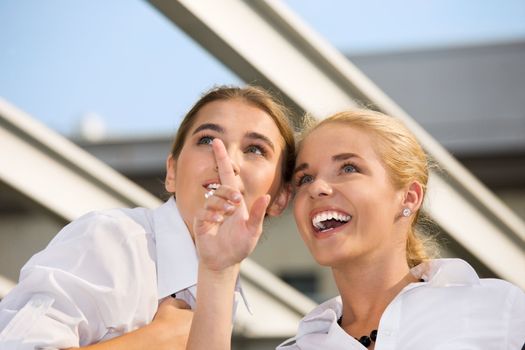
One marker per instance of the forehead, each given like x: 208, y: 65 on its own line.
x: 337, y: 138
x: 237, y: 116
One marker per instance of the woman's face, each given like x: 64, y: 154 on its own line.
x: 345, y: 205
x: 254, y: 145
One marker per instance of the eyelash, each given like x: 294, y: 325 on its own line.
x: 259, y: 148
x: 203, y: 137
x: 356, y: 169
x: 203, y: 140
x: 299, y: 182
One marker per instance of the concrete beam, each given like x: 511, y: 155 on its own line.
x: 264, y: 42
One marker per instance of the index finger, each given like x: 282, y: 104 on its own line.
x: 224, y: 163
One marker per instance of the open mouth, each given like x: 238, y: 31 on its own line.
x: 211, y: 187
x: 329, y: 220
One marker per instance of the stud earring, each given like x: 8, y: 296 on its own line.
x: 407, y: 212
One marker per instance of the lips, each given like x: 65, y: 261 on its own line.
x: 328, y: 220
x: 212, y: 186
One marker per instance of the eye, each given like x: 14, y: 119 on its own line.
x: 205, y: 140
x: 348, y: 168
x: 255, y: 149
x: 304, y: 179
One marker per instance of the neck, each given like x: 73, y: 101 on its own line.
x: 367, y: 288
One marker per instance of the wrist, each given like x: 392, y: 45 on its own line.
x: 220, y: 274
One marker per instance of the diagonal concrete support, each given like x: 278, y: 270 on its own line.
x: 264, y: 42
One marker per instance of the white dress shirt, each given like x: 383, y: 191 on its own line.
x: 103, y: 275
x: 453, y: 309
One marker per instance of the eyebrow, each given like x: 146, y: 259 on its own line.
x: 263, y: 138
x: 301, y: 167
x: 344, y: 156
x: 209, y: 126
x: 336, y: 158
x: 251, y: 135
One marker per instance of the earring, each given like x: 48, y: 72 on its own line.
x: 407, y: 212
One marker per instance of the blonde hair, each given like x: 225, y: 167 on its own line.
x: 404, y: 159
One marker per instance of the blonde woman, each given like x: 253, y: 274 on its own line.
x: 359, y: 182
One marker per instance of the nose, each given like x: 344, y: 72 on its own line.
x: 320, y: 188
x: 235, y: 164
x: 236, y: 169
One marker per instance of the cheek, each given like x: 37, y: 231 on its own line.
x: 299, y: 211
x: 190, y: 163
x: 261, y: 180
x: 303, y: 224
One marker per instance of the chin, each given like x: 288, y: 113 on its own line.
x: 324, y: 259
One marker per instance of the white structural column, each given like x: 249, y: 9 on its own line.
x: 55, y: 173
x: 264, y: 42
x: 248, y: 44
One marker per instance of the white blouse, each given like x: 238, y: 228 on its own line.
x: 103, y: 275
x: 453, y: 309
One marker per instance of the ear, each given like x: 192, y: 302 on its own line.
x: 171, y: 170
x: 413, y: 197
x: 280, y: 202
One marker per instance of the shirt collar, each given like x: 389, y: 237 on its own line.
x: 177, y: 262
x: 320, y: 319
x: 446, y: 273
x: 437, y: 273
x: 323, y: 322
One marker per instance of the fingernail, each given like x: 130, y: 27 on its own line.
x: 228, y: 207
x: 236, y: 197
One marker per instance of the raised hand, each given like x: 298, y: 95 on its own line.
x: 225, y: 230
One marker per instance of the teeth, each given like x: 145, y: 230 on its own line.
x: 317, y: 220
x: 213, y: 187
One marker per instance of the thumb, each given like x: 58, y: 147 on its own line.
x: 257, y: 212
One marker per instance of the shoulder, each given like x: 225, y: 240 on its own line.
x: 498, y: 285
x: 111, y: 224
x: 453, y: 281
x: 99, y: 237
x: 506, y: 293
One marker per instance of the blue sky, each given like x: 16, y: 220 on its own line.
x: 383, y: 25
x: 123, y: 61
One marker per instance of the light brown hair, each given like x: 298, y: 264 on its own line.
x: 255, y: 96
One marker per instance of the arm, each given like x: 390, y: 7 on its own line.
x: 212, y: 325
x: 83, y: 281
x: 224, y: 237
x: 168, y: 330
